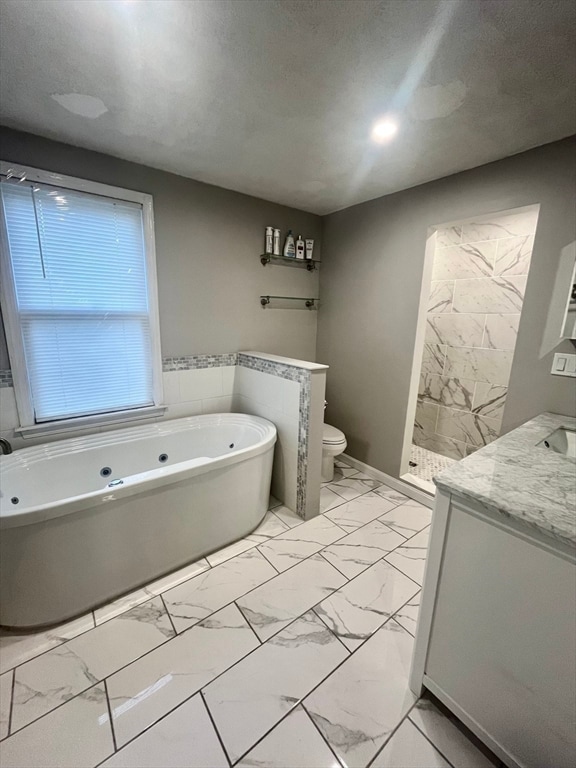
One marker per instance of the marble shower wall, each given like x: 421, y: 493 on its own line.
x: 478, y: 280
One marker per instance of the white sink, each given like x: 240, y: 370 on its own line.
x: 562, y: 440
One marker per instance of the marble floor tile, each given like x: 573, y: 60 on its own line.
x: 359, y: 549
x: 183, y: 739
x: 295, y: 742
x: 132, y: 599
x: 288, y: 516
x: 341, y: 472
x: 341, y: 462
x: 363, y: 700
x: 408, y: 518
x: 329, y: 499
x: 411, y: 557
x: 408, y: 748
x: 391, y: 494
x: 141, y: 693
x: 230, y: 551
x: 249, y: 699
x: 359, y: 608
x: 360, y: 511
x: 299, y: 543
x: 16, y: 647
x: 272, y: 606
x: 6, y: 681
x: 271, y: 526
x: 76, y: 735
x: 351, y: 487
x: 197, y: 598
x: 58, y: 675
x: 447, y: 737
x: 407, y: 616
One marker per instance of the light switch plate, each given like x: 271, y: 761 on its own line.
x: 564, y: 365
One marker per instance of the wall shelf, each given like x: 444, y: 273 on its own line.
x: 288, y: 261
x: 309, y: 303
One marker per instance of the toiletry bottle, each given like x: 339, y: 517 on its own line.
x: 309, y: 248
x: 269, y: 240
x: 289, y: 249
x: 299, y: 247
x: 276, y: 242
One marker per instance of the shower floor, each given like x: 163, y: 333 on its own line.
x: 428, y: 464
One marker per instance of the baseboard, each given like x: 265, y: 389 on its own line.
x: 399, y: 485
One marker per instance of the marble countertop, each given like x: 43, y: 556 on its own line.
x: 515, y: 477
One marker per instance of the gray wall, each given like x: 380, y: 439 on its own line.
x: 208, y: 241
x: 371, y: 280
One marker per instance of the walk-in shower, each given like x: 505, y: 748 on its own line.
x: 473, y: 291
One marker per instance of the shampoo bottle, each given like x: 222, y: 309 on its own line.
x: 269, y: 240
x: 299, y: 247
x: 289, y: 249
x: 276, y: 242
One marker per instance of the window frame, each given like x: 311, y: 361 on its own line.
x: 28, y: 426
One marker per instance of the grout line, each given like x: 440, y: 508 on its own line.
x: 428, y: 739
x: 321, y: 553
x: 220, y: 739
x: 324, y: 739
x: 12, y: 687
x: 340, y: 641
x: 110, y: 716
x: 260, y: 642
x: 300, y: 701
x: 268, y: 560
x: 392, y: 733
x: 169, y: 615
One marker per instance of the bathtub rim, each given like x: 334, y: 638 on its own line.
x: 138, y: 483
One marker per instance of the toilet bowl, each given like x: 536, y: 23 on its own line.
x: 333, y: 444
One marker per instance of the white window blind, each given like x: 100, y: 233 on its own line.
x: 78, y: 264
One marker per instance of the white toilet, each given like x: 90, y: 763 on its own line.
x: 333, y: 444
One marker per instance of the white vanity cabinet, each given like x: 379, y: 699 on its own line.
x: 496, y: 638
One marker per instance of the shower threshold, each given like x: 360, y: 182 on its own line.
x: 424, y: 465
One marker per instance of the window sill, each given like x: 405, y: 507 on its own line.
x: 84, y: 423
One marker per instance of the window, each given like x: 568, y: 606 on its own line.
x: 79, y: 297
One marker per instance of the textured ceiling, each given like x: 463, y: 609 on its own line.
x: 276, y: 98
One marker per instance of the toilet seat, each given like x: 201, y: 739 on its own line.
x: 332, y: 436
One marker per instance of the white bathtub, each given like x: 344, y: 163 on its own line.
x: 75, y: 536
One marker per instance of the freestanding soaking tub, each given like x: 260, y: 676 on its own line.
x: 87, y: 519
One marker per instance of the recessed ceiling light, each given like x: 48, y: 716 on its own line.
x: 384, y: 130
